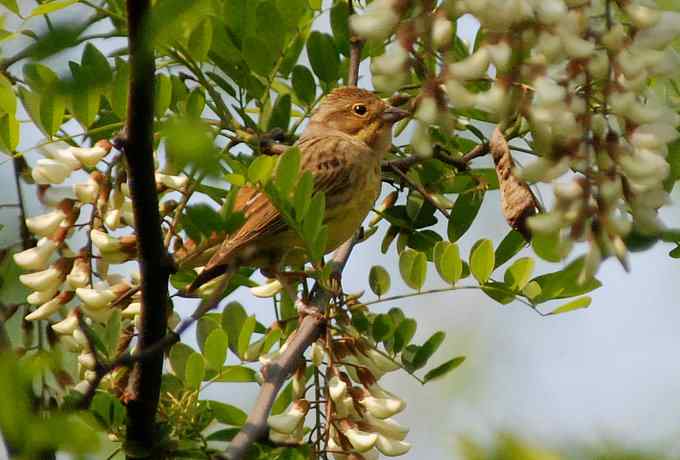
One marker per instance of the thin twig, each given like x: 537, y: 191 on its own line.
x: 355, y: 46
x: 426, y: 195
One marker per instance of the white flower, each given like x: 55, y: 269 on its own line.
x: 472, y: 67
x: 546, y: 223
x: 135, y: 308
x: 381, y: 407
x: 360, y: 440
x: 543, y: 169
x: 112, y: 219
x: 653, y: 136
x: 60, y: 151
x: 296, y: 437
x: 289, y: 420
x: 392, y: 62
x: 392, y: 447
x: 459, y: 97
x: 45, y: 310
x: 87, y: 360
x: 442, y: 32
x: 36, y: 258
x: 105, y: 242
x: 576, y: 47
x: 82, y: 387
x: 663, y: 33
x: 387, y: 427
x: 642, y: 16
x: 382, y: 362
x: 427, y: 110
x: 96, y: 299
x: 90, y: 156
x: 42, y: 280
x: 267, y: 290
x: 500, y: 54
x: 80, y: 274
x: 493, y: 101
x: 87, y: 192
x: 550, y: 11
x: 173, y: 182
x: 668, y: 64
x: 337, y: 388
x: 615, y: 38
x: 377, y: 22
x: 45, y: 224
x: 67, y: 325
x: 420, y: 141
x: 48, y: 171
x: 548, y: 92
x: 318, y: 353
x: 40, y: 297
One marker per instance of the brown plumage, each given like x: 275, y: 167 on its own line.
x: 342, y: 146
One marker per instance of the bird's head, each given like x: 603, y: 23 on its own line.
x: 360, y: 114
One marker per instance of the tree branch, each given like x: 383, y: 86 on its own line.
x: 276, y: 373
x: 143, y: 390
x: 355, y: 46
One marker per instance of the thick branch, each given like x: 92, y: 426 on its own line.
x: 145, y: 380
x: 276, y: 373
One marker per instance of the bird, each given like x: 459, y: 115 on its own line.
x: 342, y: 146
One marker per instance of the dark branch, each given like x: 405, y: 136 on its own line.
x: 145, y: 379
x: 355, y: 46
x: 276, y: 373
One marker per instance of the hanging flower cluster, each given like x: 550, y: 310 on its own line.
x: 357, y: 410
x: 63, y: 280
x: 577, y: 74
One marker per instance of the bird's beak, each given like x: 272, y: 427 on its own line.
x: 394, y: 114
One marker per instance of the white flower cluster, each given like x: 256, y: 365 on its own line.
x: 62, y: 280
x: 360, y: 409
x: 578, y: 72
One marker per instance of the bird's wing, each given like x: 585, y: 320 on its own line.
x: 325, y: 157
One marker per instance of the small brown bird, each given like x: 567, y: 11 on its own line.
x: 342, y: 146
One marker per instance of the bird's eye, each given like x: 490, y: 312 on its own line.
x: 359, y: 109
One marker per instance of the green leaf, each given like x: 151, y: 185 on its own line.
x: 463, y: 213
x: 224, y: 435
x: 236, y: 374
x: 40, y: 77
x: 204, y: 327
x: 548, y: 247
x: 577, y: 304
x: 303, y: 84
x: 162, y: 94
x: 227, y: 414
x: 518, y: 274
x: 8, y: 99
x: 11, y: 5
x: 259, y: 57
x: 85, y: 106
x: 498, y: 292
x: 178, y: 356
x: 233, y: 317
x: 413, y: 268
x: 195, y: 103
x: 482, y: 260
x: 340, y: 26
x: 379, y: 280
x: 442, y: 370
x: 447, y: 261
x: 404, y: 334
x: 564, y: 283
x: 119, y: 89
x: 52, y: 108
x: 112, y: 332
x: 244, y: 336
x: 215, y: 350
x: 9, y: 133
x: 511, y: 245
x: 323, y: 56
x: 194, y: 370
x: 97, y: 67
x: 260, y: 170
x: 382, y: 328
x: 200, y: 40
x: 287, y: 170
x: 280, y: 117
x: 51, y: 7
x: 303, y: 195
x: 11, y: 290
x: 426, y: 350
x: 314, y: 218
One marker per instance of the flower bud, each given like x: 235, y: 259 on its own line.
x: 45, y: 224
x: 392, y: 62
x: 318, y: 353
x: 380, y: 407
x: 45, y: 310
x: 337, y: 388
x: 377, y: 22
x: 87, y: 192
x: 500, y: 54
x: 267, y: 290
x: 661, y: 34
x: 87, y: 360
x: 360, y: 440
x: 105, y: 242
x: 67, y: 325
x: 43, y: 280
x: 174, y: 182
x: 550, y: 11
x: 89, y: 157
x: 135, y: 308
x: 387, y: 427
x: 641, y: 16
x: 296, y: 437
x: 576, y: 47
x: 36, y: 258
x: 472, y: 67
x: 391, y: 447
x: 459, y: 97
x: 40, y: 297
x: 289, y: 420
x: 546, y: 223
x: 98, y: 299
x: 80, y: 273
x: 48, y: 171
x: 442, y: 32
